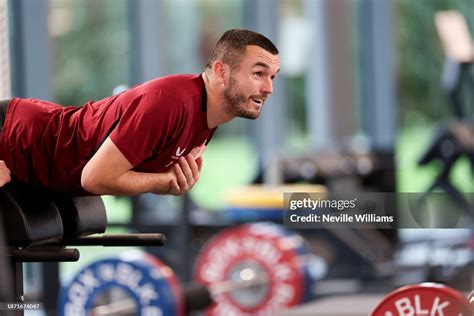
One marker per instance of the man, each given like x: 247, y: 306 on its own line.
x: 147, y: 139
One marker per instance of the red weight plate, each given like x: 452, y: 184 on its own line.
x: 428, y: 299
x: 264, y: 253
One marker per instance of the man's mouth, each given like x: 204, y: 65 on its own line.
x: 258, y: 101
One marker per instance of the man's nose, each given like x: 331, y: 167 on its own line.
x: 267, y: 87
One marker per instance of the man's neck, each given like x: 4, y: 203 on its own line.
x: 215, y: 103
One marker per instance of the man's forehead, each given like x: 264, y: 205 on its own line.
x: 258, y: 56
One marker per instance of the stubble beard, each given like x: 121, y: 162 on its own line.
x: 236, y: 102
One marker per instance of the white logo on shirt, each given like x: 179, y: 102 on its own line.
x: 179, y: 152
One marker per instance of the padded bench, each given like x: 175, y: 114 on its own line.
x: 33, y: 217
x: 39, y: 225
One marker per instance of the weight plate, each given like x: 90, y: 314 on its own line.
x: 132, y: 284
x: 424, y: 299
x: 264, y: 263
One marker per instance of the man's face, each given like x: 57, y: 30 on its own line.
x: 251, y: 83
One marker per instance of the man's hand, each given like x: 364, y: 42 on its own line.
x: 5, y: 174
x: 187, y: 171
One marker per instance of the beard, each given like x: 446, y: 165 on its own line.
x: 237, y: 102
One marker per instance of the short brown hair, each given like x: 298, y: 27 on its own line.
x: 232, y: 44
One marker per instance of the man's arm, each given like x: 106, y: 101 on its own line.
x: 109, y: 172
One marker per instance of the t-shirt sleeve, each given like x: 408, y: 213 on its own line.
x: 148, y: 123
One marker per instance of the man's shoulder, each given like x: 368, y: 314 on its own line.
x: 184, y: 85
x: 177, y: 90
x: 176, y: 94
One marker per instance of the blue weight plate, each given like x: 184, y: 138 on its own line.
x: 134, y: 282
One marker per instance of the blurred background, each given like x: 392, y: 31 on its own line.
x: 365, y: 88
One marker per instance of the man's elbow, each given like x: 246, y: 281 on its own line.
x: 91, y: 183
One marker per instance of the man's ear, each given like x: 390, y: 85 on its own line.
x: 221, y: 71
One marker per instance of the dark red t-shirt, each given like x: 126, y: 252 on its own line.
x: 152, y: 125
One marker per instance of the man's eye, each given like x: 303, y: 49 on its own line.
x: 257, y: 74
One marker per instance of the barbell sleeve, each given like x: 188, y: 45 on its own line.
x: 229, y: 286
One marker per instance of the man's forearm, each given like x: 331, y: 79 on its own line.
x: 133, y: 183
